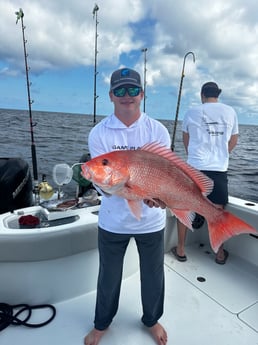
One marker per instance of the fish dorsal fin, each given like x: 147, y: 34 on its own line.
x: 203, y: 182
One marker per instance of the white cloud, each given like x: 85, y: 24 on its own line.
x: 223, y: 36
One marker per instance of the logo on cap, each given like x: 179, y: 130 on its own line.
x: 125, y: 72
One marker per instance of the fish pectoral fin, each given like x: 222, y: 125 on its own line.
x: 185, y: 216
x: 135, y: 207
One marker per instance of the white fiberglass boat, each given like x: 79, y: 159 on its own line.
x: 57, y: 263
x: 54, y: 266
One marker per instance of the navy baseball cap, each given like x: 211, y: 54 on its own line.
x: 125, y: 76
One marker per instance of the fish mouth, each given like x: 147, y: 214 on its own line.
x: 86, y: 173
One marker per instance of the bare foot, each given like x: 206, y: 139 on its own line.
x: 159, y: 334
x: 180, y: 251
x: 93, y: 337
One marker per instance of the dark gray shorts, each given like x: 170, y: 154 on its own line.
x: 219, y: 195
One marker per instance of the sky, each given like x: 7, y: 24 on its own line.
x: 208, y: 40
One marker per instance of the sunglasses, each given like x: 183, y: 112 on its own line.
x: 132, y: 91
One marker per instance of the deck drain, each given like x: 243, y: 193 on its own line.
x: 201, y: 279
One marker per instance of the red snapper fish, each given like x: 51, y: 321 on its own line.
x: 155, y: 172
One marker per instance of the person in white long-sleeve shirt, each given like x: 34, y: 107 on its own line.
x: 128, y: 129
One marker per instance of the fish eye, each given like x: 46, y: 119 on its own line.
x: 105, y: 161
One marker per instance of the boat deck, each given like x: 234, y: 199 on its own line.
x: 205, y: 304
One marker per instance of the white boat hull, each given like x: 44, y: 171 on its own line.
x: 205, y: 302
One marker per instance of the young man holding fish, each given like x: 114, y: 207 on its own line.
x: 128, y: 129
x: 210, y: 133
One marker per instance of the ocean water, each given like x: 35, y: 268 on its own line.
x: 62, y: 138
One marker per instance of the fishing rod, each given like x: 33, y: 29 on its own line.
x: 179, y: 98
x: 144, y: 51
x: 20, y: 15
x: 95, y: 96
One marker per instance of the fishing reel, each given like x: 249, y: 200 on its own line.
x: 45, y: 190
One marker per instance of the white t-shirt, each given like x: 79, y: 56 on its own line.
x: 210, y: 126
x: 109, y: 135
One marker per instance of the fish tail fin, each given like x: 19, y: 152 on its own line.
x: 227, y: 226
